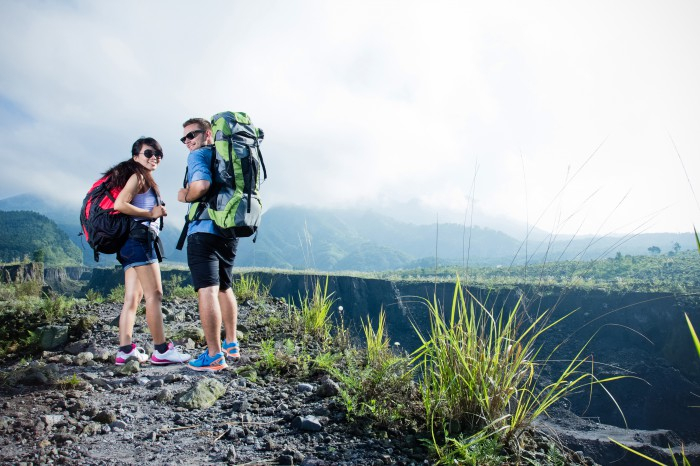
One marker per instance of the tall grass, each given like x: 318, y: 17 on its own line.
x: 377, y: 340
x: 480, y: 372
x: 694, y: 335
x: 377, y: 383
x: 315, y: 311
x: 249, y: 287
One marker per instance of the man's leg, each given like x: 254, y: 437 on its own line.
x: 229, y: 313
x: 210, y: 315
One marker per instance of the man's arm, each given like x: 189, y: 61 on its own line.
x: 193, y: 191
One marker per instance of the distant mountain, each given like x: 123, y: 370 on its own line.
x: 58, y: 212
x: 334, y: 240
x: 25, y: 234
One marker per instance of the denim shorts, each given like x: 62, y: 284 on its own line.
x: 135, y: 253
x: 210, y: 258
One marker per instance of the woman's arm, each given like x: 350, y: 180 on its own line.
x: 123, y: 202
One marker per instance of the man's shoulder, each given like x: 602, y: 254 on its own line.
x: 202, y: 151
x: 200, y: 156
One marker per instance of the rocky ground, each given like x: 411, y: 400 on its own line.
x: 74, y: 406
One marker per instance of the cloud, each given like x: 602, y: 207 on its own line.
x: 443, y: 106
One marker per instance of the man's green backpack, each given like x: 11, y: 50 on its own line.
x: 233, y: 201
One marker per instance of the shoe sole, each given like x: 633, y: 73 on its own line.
x: 232, y: 354
x: 165, y: 362
x: 207, y: 368
x: 124, y: 362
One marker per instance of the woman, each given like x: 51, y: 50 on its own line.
x: 140, y: 199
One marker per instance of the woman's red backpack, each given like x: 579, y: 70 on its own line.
x: 105, y: 229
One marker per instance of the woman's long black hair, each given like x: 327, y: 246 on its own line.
x: 121, y: 172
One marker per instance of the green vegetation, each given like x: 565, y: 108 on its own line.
x: 249, y: 287
x: 116, y: 295
x: 23, y: 309
x: 473, y: 386
x: 315, y: 312
x: 480, y: 375
x: 27, y: 235
x: 94, y: 297
x: 678, y: 272
x: 173, y: 288
x: 694, y: 335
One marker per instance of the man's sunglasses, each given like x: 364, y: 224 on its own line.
x: 148, y: 153
x: 191, y: 135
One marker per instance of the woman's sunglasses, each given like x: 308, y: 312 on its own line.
x: 191, y: 135
x: 148, y: 153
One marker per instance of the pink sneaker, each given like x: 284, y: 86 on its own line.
x: 135, y: 353
x: 171, y: 356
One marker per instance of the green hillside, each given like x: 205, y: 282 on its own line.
x: 29, y: 235
x: 296, y: 238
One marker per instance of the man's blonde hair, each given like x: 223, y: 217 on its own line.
x: 200, y: 122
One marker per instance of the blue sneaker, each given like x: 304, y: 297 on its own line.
x: 209, y: 363
x: 231, y: 349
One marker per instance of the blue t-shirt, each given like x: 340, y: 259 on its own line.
x: 199, y: 168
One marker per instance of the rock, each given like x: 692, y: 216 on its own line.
x: 194, y: 333
x: 83, y: 358
x: 328, y: 389
x: 203, y: 395
x: 102, y: 383
x: 51, y: 419
x: 172, y: 378
x: 240, y: 406
x: 305, y: 388
x: 76, y: 407
x: 131, y: 367
x: 307, y: 423
x: 5, y: 422
x: 76, y: 347
x: 99, y: 353
x: 36, y: 374
x: 92, y: 428
x: 105, y: 417
x: 164, y: 396
x: 53, y: 336
x: 179, y: 316
x: 158, y: 383
x: 118, y: 425
x: 231, y: 454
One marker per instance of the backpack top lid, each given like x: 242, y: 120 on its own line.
x: 227, y: 124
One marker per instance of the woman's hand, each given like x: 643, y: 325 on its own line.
x: 158, y: 211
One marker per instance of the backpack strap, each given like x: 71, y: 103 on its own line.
x: 201, y: 204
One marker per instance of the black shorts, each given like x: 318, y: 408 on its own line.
x: 210, y: 258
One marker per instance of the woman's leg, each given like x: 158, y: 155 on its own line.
x: 149, y: 277
x: 133, y: 292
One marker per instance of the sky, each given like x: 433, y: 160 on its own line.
x: 570, y: 117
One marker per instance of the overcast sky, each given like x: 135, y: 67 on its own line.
x: 571, y: 116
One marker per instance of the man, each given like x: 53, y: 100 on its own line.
x: 210, y: 255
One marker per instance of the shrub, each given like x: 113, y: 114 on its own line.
x: 172, y: 288
x: 116, y: 295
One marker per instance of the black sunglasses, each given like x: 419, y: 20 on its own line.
x: 148, y: 153
x: 191, y: 135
